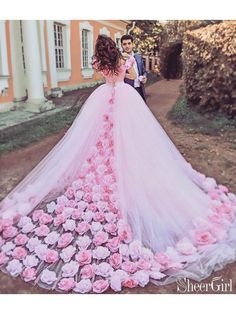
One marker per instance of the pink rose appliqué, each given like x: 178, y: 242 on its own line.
x: 66, y: 284
x: 19, y: 253
x: 99, y: 286
x: 51, y: 256
x: 64, y: 240
x: 29, y: 274
x: 83, y: 257
x: 87, y: 272
x: 84, y: 286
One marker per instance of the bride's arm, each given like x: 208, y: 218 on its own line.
x: 131, y: 74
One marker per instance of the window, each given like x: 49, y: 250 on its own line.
x: 59, y: 45
x: 22, y: 44
x: 85, y: 48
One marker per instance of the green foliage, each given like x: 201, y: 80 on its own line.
x: 184, y: 115
x: 146, y: 35
x: 209, y: 68
x: 32, y: 131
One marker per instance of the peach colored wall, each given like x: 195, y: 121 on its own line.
x: 9, y: 97
x: 76, y: 75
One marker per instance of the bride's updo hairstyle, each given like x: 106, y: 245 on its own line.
x: 107, y: 56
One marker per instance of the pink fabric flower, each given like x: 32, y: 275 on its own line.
x: 144, y: 264
x: 3, y: 258
x: 77, y: 184
x: 135, y: 249
x: 21, y: 239
x: 28, y: 227
x: 83, y: 242
x: 67, y: 253
x: 87, y: 272
x: 29, y: 274
x: 113, y: 244
x: 42, y: 231
x: 87, y: 197
x: 124, y: 232
x: 110, y: 217
x: 124, y: 250
x: 70, y: 269
x: 51, y: 256
x: 33, y: 243
x: 92, y: 207
x: 204, y: 237
x: 115, y: 260
x: 96, y: 227
x: 64, y: 240
x: 79, y: 195
x: 76, y: 214
x: 142, y: 277
x: 48, y: 276
x: 116, y: 283
x: 83, y: 257
x: 99, y: 286
x: 82, y: 205
x: 59, y: 209
x: 19, y: 253
x: 84, y: 286
x: 14, y: 267
x: 101, y: 252
x: 87, y: 216
x: 163, y: 259
x: 100, y: 238
x: 9, y: 232
x: 36, y: 214
x: 62, y: 200
x: 69, y: 225
x: 30, y: 261
x: 129, y: 267
x: 23, y: 221
x: 82, y: 227
x: 52, y: 238
x: 45, y: 219
x: 69, y: 193
x: 66, y: 284
x: 59, y: 220
x: 4, y: 223
x: 99, y: 216
x: 103, y: 269
x: 41, y: 251
x: 130, y: 283
x: 185, y: 247
x: 111, y: 228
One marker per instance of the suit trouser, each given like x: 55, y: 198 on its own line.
x: 140, y: 91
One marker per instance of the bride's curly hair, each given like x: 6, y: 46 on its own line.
x: 107, y: 56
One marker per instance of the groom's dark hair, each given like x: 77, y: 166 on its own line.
x: 126, y: 37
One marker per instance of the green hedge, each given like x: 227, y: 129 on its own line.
x: 209, y: 57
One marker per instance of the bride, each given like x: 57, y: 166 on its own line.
x: 114, y: 204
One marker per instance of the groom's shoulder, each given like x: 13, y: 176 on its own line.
x: 137, y: 54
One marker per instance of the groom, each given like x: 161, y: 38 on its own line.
x: 138, y: 83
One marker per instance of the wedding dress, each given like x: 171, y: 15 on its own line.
x: 114, y: 204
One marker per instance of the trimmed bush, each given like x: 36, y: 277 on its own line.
x: 209, y: 57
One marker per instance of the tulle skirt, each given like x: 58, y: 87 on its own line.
x: 114, y: 204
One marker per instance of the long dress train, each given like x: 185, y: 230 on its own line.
x: 114, y: 204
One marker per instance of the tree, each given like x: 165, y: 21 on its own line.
x: 146, y: 35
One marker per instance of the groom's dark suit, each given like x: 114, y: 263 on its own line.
x: 141, y: 71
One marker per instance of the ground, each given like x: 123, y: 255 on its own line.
x: 212, y: 155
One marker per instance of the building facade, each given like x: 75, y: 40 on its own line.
x: 41, y: 58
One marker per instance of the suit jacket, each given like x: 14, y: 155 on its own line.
x: 141, y: 71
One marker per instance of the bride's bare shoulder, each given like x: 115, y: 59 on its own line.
x: 122, y: 61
